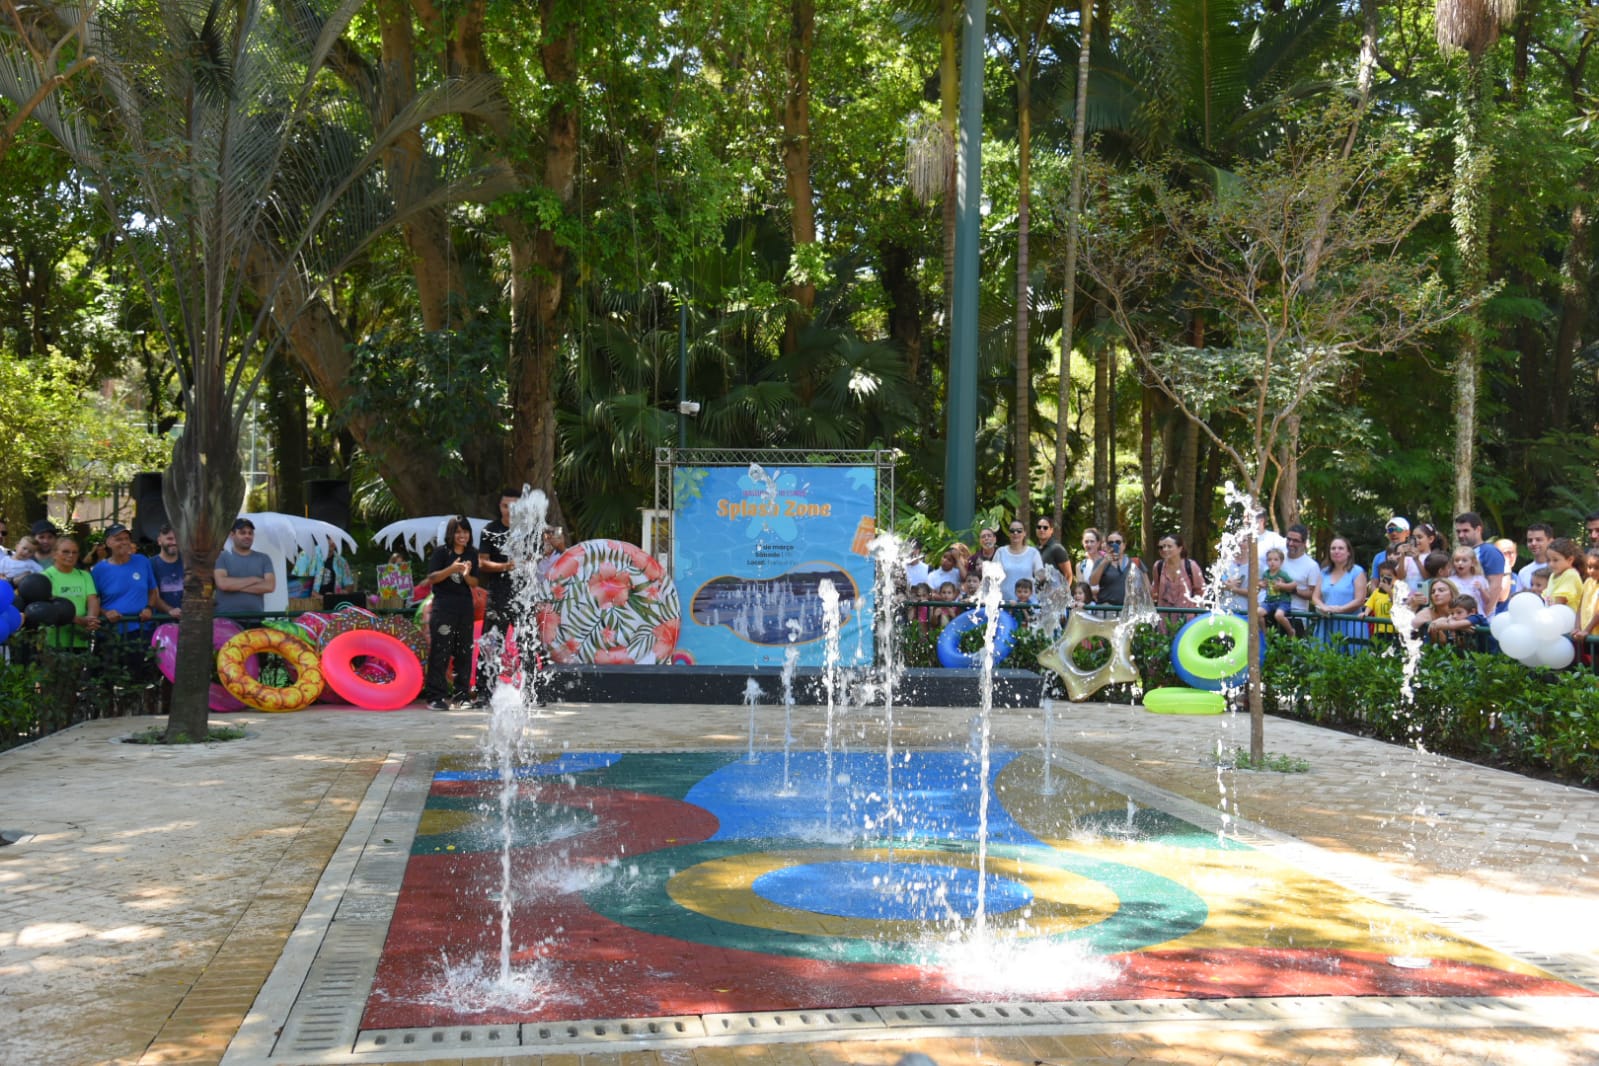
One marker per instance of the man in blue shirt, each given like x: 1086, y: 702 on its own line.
x: 168, y: 567
x: 126, y: 586
x: 125, y: 582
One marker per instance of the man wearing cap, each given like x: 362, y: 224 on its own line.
x: 44, y: 533
x: 1398, y: 530
x: 243, y: 577
x: 125, y: 582
x: 126, y: 586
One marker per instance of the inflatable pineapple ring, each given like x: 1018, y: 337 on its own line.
x: 302, y: 660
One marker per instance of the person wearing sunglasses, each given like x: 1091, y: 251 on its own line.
x: 1018, y: 558
x: 1051, y: 550
x: 1398, y: 533
x: 1108, y: 581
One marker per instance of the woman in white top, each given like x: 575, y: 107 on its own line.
x: 1019, y: 558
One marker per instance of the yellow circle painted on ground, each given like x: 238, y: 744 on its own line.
x: 724, y: 889
x: 434, y: 822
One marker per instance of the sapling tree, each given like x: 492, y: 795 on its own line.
x: 1295, y: 266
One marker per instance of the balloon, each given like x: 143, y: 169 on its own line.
x: 1499, y: 623
x: 35, y: 588
x: 1524, y: 606
x: 39, y: 614
x: 6, y: 595
x: 1518, y: 642
x: 7, y: 627
x: 1548, y: 626
x: 1566, y: 618
x: 66, y: 610
x: 1556, y: 655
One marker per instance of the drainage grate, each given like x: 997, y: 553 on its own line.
x: 328, y: 1009
x: 613, y: 1031
x: 454, y: 1040
x: 769, y: 1023
x: 966, y: 1014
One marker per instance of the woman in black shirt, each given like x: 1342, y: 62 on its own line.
x: 453, y: 574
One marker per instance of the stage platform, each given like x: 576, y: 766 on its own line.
x: 916, y: 687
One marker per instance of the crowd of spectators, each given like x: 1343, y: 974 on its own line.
x: 1452, y: 590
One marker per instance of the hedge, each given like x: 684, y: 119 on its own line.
x: 1481, y: 707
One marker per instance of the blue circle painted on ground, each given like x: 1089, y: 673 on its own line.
x: 880, y: 891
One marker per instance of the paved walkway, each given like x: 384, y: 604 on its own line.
x: 159, y: 885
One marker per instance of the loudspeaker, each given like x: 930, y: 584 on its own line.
x: 328, y: 500
x: 149, y: 509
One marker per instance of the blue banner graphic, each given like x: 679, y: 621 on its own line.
x: 750, y: 549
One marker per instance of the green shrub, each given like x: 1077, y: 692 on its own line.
x: 59, y: 687
x: 1487, y: 708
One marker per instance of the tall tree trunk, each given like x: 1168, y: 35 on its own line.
x: 904, y: 304
x: 797, y: 157
x: 286, y: 405
x: 1146, y: 465
x: 1576, y: 288
x: 1021, y: 416
x: 202, y: 490
x: 321, y: 346
x: 1288, y: 479
x: 409, y: 167
x: 1473, y: 168
x: 1104, y: 431
x: 538, y: 258
x: 1074, y: 211
x: 1188, y: 477
x: 1109, y: 518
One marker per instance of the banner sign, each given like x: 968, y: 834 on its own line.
x: 750, y: 549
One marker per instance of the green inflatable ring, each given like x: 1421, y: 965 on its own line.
x: 1184, y: 701
x: 1205, y: 672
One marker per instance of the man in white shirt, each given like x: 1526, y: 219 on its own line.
x: 1303, y: 573
x: 1539, y: 534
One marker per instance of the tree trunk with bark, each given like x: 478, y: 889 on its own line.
x: 1576, y: 293
x: 1146, y: 465
x: 1473, y: 168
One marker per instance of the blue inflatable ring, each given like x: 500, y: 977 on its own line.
x: 1211, y: 673
x: 949, y: 650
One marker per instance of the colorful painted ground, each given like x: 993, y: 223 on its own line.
x: 689, y: 883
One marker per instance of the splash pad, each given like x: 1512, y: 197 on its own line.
x: 557, y: 898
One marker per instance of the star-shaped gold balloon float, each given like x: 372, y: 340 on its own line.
x: 1081, y: 626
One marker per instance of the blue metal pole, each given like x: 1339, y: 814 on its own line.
x: 682, y: 371
x: 960, y: 456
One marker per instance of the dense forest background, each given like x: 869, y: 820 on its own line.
x: 776, y: 178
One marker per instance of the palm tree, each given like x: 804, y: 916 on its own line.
x: 239, y: 184
x: 1472, y: 27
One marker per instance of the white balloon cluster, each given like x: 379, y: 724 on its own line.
x: 1533, y: 634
